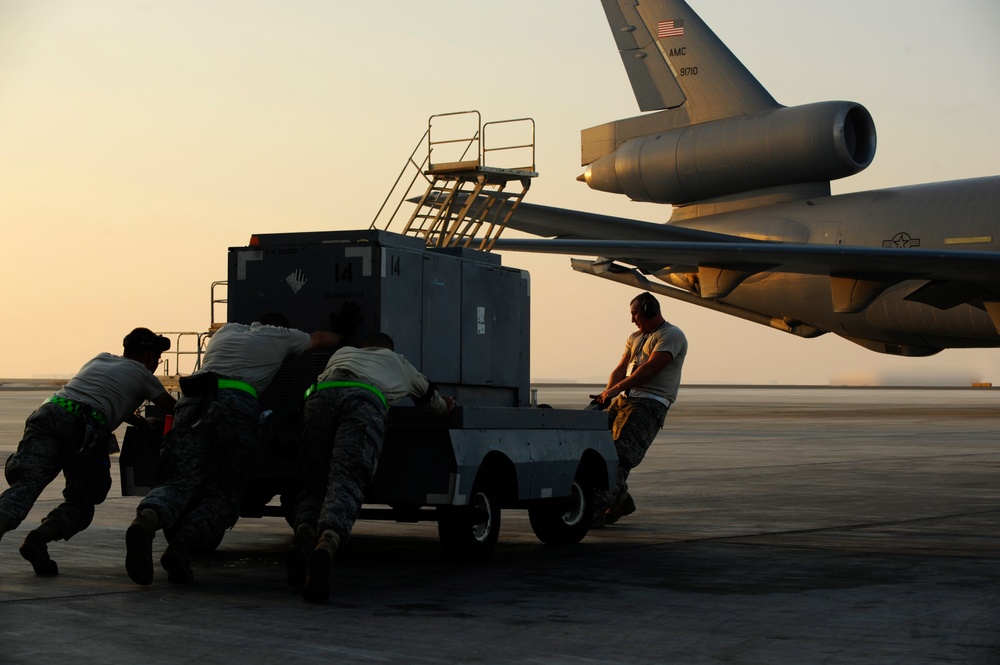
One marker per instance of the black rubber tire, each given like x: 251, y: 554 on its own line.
x: 469, y: 533
x: 564, y: 520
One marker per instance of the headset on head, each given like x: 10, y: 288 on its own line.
x: 648, y: 304
x: 144, y: 339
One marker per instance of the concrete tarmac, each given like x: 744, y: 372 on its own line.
x: 773, y: 526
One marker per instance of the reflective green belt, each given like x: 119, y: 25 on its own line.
x: 346, y: 384
x: 78, y: 409
x: 232, y: 384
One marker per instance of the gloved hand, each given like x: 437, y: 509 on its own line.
x: 596, y: 404
x: 346, y: 323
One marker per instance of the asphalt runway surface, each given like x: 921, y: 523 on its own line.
x: 773, y: 526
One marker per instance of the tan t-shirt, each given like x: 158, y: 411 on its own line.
x: 252, y: 353
x: 386, y: 370
x: 667, y: 338
x: 114, y: 385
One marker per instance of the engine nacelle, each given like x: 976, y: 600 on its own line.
x: 781, y: 146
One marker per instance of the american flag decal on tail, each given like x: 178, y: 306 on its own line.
x: 670, y: 29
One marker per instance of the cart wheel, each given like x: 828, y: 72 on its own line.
x: 564, y: 520
x: 469, y: 533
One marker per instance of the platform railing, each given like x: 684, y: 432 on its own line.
x: 463, y: 201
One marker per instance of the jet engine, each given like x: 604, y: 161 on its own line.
x: 780, y: 146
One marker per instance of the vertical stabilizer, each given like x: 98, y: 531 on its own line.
x: 715, y: 137
x: 674, y: 61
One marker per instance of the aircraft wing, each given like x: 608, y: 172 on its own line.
x: 548, y: 221
x: 759, y: 256
x: 724, y: 261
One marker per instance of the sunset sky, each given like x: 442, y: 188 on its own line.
x: 141, y: 139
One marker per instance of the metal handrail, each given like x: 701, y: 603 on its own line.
x: 464, y: 203
x: 218, y: 301
x: 176, y: 353
x: 470, y: 141
x: 531, y: 145
x: 419, y: 172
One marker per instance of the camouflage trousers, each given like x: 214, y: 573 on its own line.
x: 634, y: 424
x: 342, y: 437
x: 205, y: 463
x: 52, y: 443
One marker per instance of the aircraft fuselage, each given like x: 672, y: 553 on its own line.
x: 963, y: 214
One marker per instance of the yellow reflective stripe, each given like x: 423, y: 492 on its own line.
x: 78, y: 409
x: 231, y: 384
x: 346, y: 384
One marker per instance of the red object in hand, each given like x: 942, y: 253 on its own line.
x: 168, y: 421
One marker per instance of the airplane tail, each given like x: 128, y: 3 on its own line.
x: 674, y: 60
x: 715, y: 136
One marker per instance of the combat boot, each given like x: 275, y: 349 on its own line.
x: 317, y: 586
x: 602, y: 504
x: 139, y: 546
x: 176, y: 558
x: 297, y: 558
x: 35, y: 550
x: 625, y: 505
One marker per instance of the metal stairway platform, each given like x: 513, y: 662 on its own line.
x: 468, y: 198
